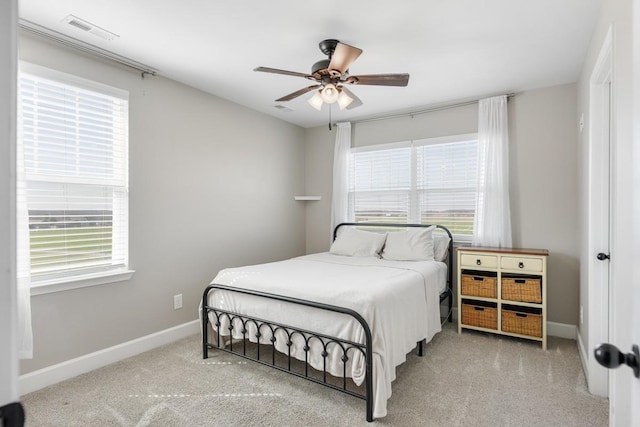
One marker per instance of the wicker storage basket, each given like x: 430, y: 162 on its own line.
x: 479, y: 315
x: 518, y: 322
x: 479, y: 286
x: 525, y: 289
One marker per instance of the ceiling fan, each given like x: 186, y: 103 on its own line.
x: 332, y: 76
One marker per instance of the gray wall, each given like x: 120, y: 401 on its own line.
x: 319, y: 145
x: 211, y: 186
x: 543, y: 181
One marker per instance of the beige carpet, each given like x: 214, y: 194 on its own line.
x: 473, y: 379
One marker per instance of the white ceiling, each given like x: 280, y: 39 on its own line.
x: 454, y: 50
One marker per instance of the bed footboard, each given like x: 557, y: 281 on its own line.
x: 265, y: 329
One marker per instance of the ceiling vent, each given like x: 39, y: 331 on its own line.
x: 90, y: 28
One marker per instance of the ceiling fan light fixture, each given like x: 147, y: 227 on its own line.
x: 316, y: 101
x: 331, y: 77
x: 330, y: 93
x: 344, y: 100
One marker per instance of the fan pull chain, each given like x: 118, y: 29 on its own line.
x: 329, y: 116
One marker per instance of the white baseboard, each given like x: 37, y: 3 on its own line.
x: 562, y: 330
x: 41, y: 378
x: 584, y: 357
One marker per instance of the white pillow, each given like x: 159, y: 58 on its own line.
x: 440, y: 246
x: 354, y: 242
x: 410, y: 245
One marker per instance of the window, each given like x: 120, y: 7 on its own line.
x: 430, y: 181
x: 74, y: 137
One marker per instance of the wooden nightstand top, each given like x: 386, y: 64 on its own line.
x: 521, y: 251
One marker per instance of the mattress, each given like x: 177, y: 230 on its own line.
x: 398, y: 299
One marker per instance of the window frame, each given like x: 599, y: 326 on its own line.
x: 413, y: 193
x: 91, y: 278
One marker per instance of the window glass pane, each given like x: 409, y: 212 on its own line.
x: 71, y: 228
x: 377, y: 206
x: 455, y: 210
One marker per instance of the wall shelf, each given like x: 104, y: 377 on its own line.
x: 307, y: 198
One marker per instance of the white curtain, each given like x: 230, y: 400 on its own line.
x: 25, y: 334
x: 492, y: 224
x: 340, y: 196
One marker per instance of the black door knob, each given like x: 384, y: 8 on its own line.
x: 610, y: 357
x: 12, y: 415
x: 602, y: 256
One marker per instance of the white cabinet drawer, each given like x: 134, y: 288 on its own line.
x: 482, y: 261
x: 532, y: 265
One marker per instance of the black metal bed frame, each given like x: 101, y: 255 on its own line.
x: 267, y: 330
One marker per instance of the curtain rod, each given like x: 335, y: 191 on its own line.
x: 427, y: 110
x: 74, y: 43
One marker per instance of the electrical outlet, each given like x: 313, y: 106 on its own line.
x: 177, y: 301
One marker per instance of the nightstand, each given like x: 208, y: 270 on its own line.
x: 503, y: 291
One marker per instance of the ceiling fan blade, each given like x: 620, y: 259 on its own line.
x: 380, y: 79
x: 356, y: 101
x: 285, y: 72
x: 297, y: 93
x: 343, y: 57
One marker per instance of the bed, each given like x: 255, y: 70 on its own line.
x: 349, y: 315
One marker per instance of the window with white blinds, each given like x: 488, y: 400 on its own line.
x: 74, y: 135
x: 430, y: 181
x: 380, y: 184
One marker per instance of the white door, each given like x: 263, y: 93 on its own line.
x: 634, y: 330
x: 634, y: 337
x: 625, y: 305
x: 625, y: 316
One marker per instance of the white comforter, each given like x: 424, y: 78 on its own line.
x: 399, y: 301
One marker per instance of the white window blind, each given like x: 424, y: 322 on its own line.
x: 446, y: 183
x: 380, y: 185
x: 431, y: 181
x: 74, y: 135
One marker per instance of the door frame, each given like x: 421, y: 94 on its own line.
x: 8, y: 301
x: 600, y: 151
x: 634, y: 415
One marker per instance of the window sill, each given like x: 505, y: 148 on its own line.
x: 59, y: 285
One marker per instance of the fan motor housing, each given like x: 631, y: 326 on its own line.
x: 328, y: 46
x: 323, y: 64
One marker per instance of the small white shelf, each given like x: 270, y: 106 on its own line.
x: 304, y: 198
